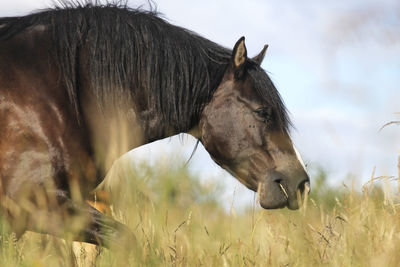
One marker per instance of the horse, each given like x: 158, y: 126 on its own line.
x: 82, y: 84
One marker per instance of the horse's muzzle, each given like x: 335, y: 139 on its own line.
x: 278, y: 192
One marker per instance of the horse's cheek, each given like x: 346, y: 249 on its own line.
x: 215, y: 139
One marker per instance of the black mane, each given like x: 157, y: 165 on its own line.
x: 132, y: 51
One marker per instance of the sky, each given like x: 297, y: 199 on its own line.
x: 335, y: 63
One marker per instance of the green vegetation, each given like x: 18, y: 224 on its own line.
x: 178, y: 221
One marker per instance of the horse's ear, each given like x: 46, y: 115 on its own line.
x: 239, y: 57
x: 259, y: 58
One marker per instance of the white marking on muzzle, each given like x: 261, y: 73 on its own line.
x: 299, y: 158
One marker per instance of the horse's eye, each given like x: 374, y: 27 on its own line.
x: 264, y: 113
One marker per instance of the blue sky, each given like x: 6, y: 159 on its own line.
x: 335, y: 63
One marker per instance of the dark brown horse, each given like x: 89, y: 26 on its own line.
x: 81, y: 85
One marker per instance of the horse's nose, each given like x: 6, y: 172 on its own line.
x: 304, y: 187
x: 301, y: 190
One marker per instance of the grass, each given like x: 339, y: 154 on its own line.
x: 180, y: 222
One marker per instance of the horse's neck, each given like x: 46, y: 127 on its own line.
x: 112, y: 135
x: 116, y: 133
x: 116, y: 130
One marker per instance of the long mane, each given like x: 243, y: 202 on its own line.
x: 132, y: 52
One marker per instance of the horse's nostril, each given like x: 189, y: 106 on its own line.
x: 307, y: 187
x: 283, y: 190
x: 278, y: 181
x: 304, y: 187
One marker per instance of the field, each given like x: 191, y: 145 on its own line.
x: 179, y: 221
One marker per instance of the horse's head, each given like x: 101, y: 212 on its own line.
x: 245, y: 130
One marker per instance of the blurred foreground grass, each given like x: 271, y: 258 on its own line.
x: 179, y: 221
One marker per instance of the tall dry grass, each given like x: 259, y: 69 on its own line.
x: 179, y: 221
